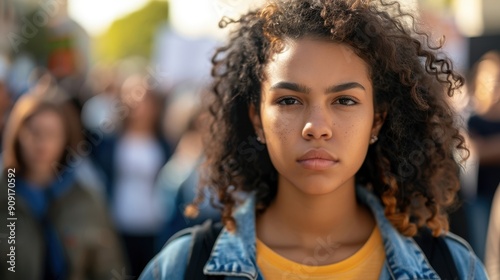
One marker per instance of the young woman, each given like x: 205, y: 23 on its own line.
x: 332, y: 144
x: 61, y: 229
x: 484, y: 129
x: 131, y: 161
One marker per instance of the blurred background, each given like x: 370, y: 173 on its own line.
x: 133, y: 73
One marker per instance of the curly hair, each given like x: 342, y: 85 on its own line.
x: 413, y: 168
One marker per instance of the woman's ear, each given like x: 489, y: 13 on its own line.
x: 256, y: 122
x: 378, y: 121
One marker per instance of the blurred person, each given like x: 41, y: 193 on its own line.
x: 62, y: 229
x: 484, y: 131
x: 484, y: 125
x: 102, y: 111
x: 178, y: 178
x: 43, y: 36
x: 492, y: 258
x: 70, y: 90
x: 131, y: 160
x: 66, y: 45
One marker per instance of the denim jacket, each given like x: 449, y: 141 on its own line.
x: 234, y: 254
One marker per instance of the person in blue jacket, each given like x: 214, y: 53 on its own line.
x: 332, y: 146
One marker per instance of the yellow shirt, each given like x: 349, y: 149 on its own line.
x: 365, y: 264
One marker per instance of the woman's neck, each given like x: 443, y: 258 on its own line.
x: 299, y: 220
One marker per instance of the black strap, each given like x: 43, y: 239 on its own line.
x: 202, y: 242
x: 437, y: 253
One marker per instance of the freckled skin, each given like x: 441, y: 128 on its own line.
x: 293, y: 122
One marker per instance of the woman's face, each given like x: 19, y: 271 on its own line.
x: 42, y: 139
x: 316, y: 115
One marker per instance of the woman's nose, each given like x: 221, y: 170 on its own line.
x: 318, y: 125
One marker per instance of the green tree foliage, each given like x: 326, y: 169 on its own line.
x: 132, y: 35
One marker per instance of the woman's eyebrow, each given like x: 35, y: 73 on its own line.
x: 291, y: 86
x: 304, y: 89
x: 345, y: 86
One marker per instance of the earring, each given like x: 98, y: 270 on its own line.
x: 373, y: 139
x: 260, y: 140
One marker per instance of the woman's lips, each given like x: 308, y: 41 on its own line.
x: 317, y: 159
x: 317, y: 164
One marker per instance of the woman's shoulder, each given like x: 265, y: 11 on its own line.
x: 170, y: 263
x: 468, y: 264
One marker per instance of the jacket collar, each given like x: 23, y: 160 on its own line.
x: 235, y: 253
x: 404, y: 258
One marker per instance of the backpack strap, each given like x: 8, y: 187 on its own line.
x: 203, y: 239
x: 438, y: 254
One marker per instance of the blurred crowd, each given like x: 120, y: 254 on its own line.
x: 107, y: 155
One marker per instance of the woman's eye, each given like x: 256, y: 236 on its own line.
x: 288, y: 101
x: 346, y: 101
